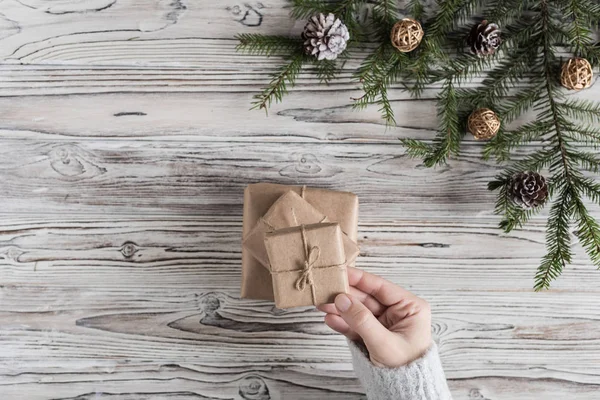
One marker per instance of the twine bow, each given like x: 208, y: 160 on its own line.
x: 311, y: 255
x: 306, y: 278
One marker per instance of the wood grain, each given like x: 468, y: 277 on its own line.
x: 126, y: 140
x: 182, y: 178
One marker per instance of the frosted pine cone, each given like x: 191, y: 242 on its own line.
x: 325, y: 36
x: 484, y: 39
x: 528, y: 189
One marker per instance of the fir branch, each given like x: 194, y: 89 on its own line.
x: 326, y: 70
x: 443, y: 23
x: 581, y: 109
x: 588, y: 231
x: 527, y: 58
x: 416, y: 148
x: 348, y: 11
x: 431, y: 53
x: 537, y: 161
x: 589, y: 188
x: 277, y: 87
x: 304, y: 9
x: 504, y: 142
x: 378, y: 72
x: 463, y: 68
x: 511, y: 69
x: 373, y: 61
x: 569, y: 201
x: 416, y: 9
x: 265, y: 45
x: 499, y: 81
x: 588, y: 161
x: 578, y: 32
x: 558, y: 241
x: 447, y: 141
x: 586, y: 135
x: 515, y: 106
x: 385, y: 107
x: 504, y: 11
x: 549, y: 70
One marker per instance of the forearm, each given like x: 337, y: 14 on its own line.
x: 422, y: 379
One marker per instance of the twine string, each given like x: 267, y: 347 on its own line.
x: 311, y: 257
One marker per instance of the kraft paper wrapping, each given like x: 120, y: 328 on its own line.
x: 288, y: 211
x: 340, y: 207
x: 308, y: 264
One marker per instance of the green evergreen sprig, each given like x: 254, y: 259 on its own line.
x: 291, y: 49
x: 528, y: 60
x: 519, y: 79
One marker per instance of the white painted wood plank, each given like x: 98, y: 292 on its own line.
x: 178, y: 178
x: 436, y: 255
x: 189, y: 104
x: 537, y: 337
x: 94, y: 23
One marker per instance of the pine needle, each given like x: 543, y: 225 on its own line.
x: 278, y: 86
x: 264, y: 45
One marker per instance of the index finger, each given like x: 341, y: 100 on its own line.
x: 383, y: 290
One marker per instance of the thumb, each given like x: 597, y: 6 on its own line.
x: 362, y: 321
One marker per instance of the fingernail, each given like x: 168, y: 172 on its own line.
x: 342, y: 302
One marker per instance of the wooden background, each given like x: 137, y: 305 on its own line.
x: 126, y: 142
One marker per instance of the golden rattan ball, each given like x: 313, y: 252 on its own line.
x: 406, y: 34
x: 576, y: 74
x: 483, y: 123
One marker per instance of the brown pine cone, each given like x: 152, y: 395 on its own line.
x: 484, y: 39
x: 528, y: 189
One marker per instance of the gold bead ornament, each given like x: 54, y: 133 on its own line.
x: 483, y: 123
x: 576, y: 74
x: 406, y: 35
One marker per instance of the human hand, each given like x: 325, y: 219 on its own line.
x: 394, y: 324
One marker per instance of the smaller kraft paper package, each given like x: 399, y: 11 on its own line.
x: 308, y: 264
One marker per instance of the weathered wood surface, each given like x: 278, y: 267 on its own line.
x: 126, y: 141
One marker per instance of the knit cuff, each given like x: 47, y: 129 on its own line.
x: 422, y: 379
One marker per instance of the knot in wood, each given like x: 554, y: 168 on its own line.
x: 254, y: 388
x: 129, y: 249
x: 11, y: 253
x: 308, y: 164
x: 210, y: 303
x: 65, y: 161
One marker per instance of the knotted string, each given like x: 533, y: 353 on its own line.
x: 311, y: 256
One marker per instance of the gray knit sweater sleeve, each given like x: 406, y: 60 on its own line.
x: 423, y: 379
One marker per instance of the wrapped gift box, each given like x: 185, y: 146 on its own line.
x: 308, y: 264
